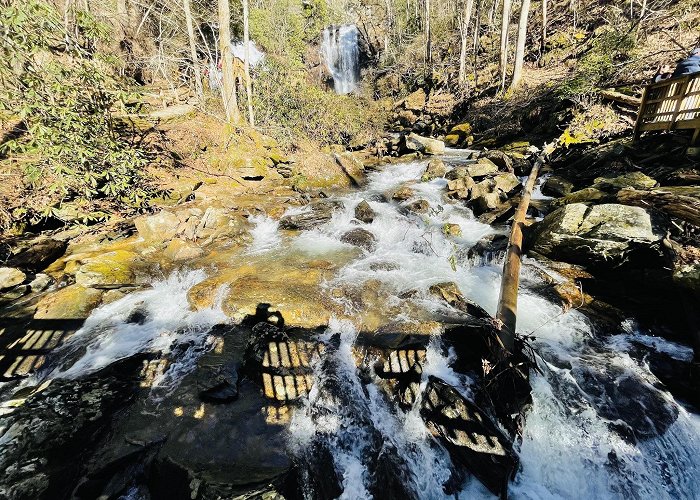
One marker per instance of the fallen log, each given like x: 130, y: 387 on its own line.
x: 508, y: 299
x: 629, y: 100
x: 682, y: 202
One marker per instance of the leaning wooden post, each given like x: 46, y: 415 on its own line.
x: 508, y: 300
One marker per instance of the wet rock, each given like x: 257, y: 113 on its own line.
x: 557, y: 186
x: 364, y: 213
x: 402, y: 194
x: 435, y: 169
x: 40, y: 282
x: 107, y: 269
x: 214, y: 221
x: 425, y: 145
x: 221, y: 386
x: 320, y: 212
x: 460, y: 188
x: 71, y: 302
x: 450, y: 293
x: 488, y: 194
x: 605, y: 236
x: 489, y: 247
x: 179, y: 250
x: 352, y: 166
x: 500, y: 159
x: 450, y: 229
x: 457, y: 173
x: 419, y: 206
x: 157, y: 228
x: 481, y: 168
x: 633, y: 180
x: 39, y: 255
x: 43, y: 443
x: 360, y: 238
x: 586, y: 195
x: 459, y: 135
x: 472, y: 439
x: 11, y: 277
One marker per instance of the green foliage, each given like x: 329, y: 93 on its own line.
x: 55, y: 85
x: 289, y: 106
x: 597, y: 65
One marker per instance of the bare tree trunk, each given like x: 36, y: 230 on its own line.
x: 193, y: 51
x: 464, y: 31
x: 477, y: 25
x: 505, y: 23
x: 426, y: 26
x: 228, y: 84
x: 520, y: 46
x: 246, y: 64
x: 543, y: 40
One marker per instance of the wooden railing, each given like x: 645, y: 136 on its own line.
x: 672, y: 104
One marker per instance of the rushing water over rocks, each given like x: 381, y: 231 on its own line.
x: 345, y: 410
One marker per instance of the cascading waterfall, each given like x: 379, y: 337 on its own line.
x: 340, y: 51
x: 601, y: 424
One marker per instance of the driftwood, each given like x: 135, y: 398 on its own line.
x: 629, y: 100
x: 508, y: 300
x: 678, y: 201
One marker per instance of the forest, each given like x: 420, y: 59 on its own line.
x: 318, y: 249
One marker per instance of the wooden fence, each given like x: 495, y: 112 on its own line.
x: 672, y: 104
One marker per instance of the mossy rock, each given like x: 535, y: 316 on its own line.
x: 108, y: 269
x: 71, y: 302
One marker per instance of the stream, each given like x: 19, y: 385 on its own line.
x: 601, y: 425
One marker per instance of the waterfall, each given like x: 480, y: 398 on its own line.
x: 340, y: 52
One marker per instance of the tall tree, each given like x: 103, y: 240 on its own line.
x: 246, y: 63
x: 426, y: 27
x: 228, y: 84
x: 520, y: 45
x: 543, y: 40
x: 193, y: 51
x: 464, y: 31
x: 505, y: 23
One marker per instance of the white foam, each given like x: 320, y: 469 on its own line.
x: 266, y: 235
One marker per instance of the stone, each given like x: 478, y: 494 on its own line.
x: 488, y: 194
x: 450, y: 293
x: 460, y: 188
x: 601, y: 236
x: 157, y: 228
x: 502, y: 160
x: 38, y: 255
x: 415, y: 101
x: 214, y: 219
x: 419, y: 207
x: 11, y: 277
x: 457, y: 173
x: 435, y: 169
x: 360, y: 237
x: 557, y: 186
x: 364, y: 213
x: 40, y: 282
x: 71, y: 302
x: 180, y: 250
x: 319, y: 213
x: 633, y: 180
x: 481, y: 168
x: 507, y: 184
x: 107, y: 269
x: 450, y: 229
x: 459, y: 135
x: 425, y: 145
x: 402, y: 194
x: 352, y: 166
x: 585, y: 195
x: 489, y: 248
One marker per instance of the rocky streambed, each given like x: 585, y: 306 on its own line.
x: 285, y: 347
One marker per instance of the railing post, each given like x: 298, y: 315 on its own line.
x: 640, y: 114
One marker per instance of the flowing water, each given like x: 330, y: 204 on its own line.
x: 340, y: 51
x: 601, y: 425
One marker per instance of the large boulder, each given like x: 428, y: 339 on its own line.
x: 364, y: 213
x: 38, y: 255
x: 602, y: 236
x: 11, y: 277
x: 318, y: 213
x: 481, y: 168
x: 414, y: 142
x: 436, y: 168
x: 460, y: 135
x: 501, y: 159
x: 157, y: 228
x: 488, y: 194
x: 107, y: 269
x: 352, y: 166
x: 634, y: 180
x: 557, y: 186
x: 360, y: 238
